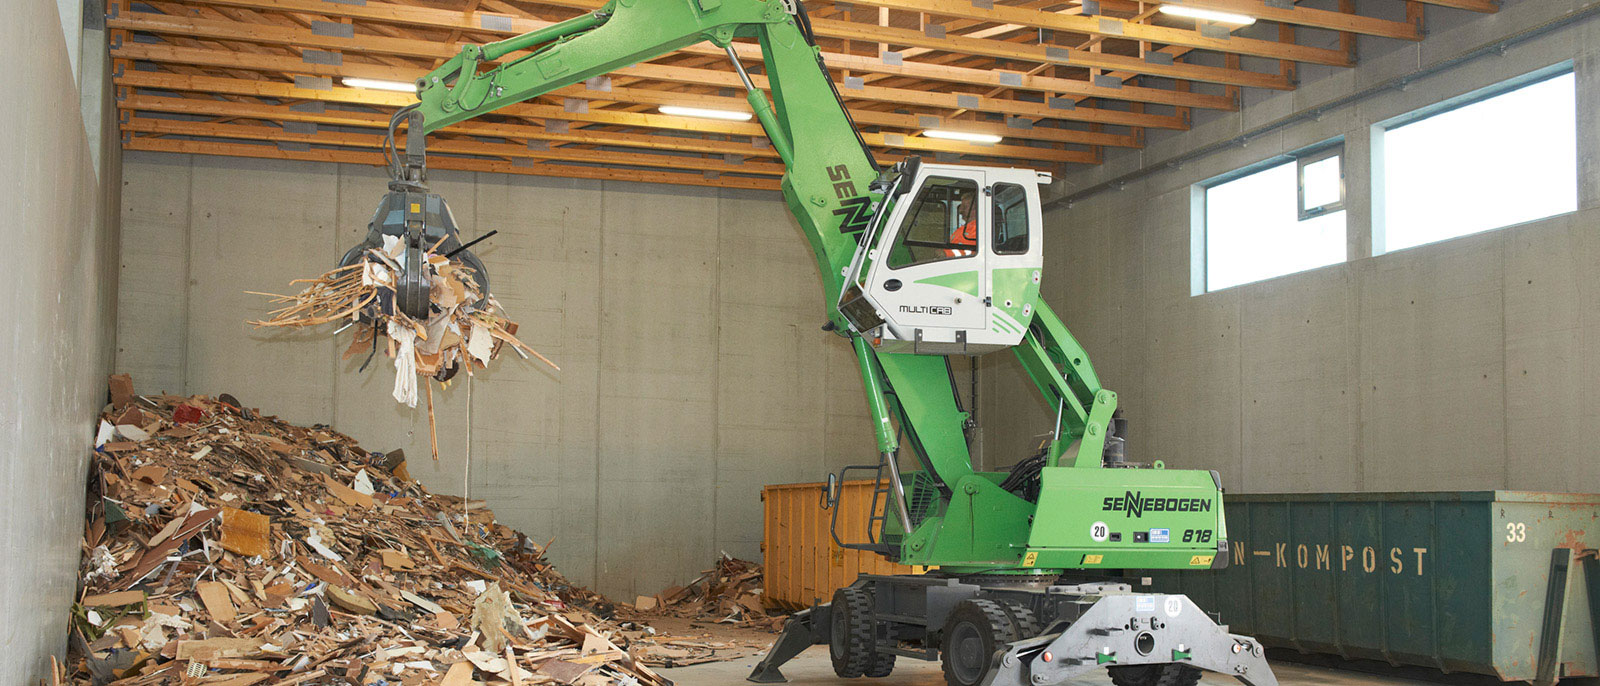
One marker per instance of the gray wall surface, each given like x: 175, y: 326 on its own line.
x: 685, y: 321
x: 1465, y: 364
x: 59, y: 177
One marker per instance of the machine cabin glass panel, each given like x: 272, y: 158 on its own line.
x: 1010, y: 219
x: 942, y: 224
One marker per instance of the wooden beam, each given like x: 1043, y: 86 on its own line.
x: 996, y: 78
x: 276, y: 35
x: 1322, y: 19
x: 446, y: 146
x: 281, y: 113
x: 867, y: 33
x: 1042, y: 54
x: 1035, y: 18
x: 455, y: 163
x: 390, y: 100
x: 222, y: 58
x: 1115, y: 29
x: 1487, y: 6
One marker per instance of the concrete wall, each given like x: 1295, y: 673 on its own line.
x: 685, y: 321
x: 58, y: 174
x: 1466, y: 364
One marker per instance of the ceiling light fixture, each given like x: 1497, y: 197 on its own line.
x: 400, y: 86
x: 729, y: 115
x: 967, y: 136
x: 1208, y: 15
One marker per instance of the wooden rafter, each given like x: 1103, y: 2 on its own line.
x: 1059, y: 84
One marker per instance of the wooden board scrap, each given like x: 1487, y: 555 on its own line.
x: 246, y: 533
x: 117, y: 599
x: 219, y: 603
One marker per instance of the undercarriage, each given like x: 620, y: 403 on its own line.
x: 1007, y: 630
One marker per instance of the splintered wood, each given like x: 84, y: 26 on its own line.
x: 729, y: 593
x: 232, y: 548
x: 464, y: 328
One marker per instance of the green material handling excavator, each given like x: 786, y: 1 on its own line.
x: 1025, y: 589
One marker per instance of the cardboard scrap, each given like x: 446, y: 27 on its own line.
x: 563, y: 672
x: 121, y: 391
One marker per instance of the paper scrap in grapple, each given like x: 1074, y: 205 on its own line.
x: 465, y: 329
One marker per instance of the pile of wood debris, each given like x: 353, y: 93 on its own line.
x: 229, y: 548
x: 465, y: 328
x: 728, y: 593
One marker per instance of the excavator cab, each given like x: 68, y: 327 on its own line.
x: 951, y: 262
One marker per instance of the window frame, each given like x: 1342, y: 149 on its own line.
x: 1379, y: 158
x: 1199, y: 230
x: 902, y: 233
x: 1306, y: 160
x: 995, y: 219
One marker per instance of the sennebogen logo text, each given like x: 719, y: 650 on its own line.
x: 1135, y: 504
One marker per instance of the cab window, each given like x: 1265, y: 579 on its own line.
x: 940, y: 225
x: 1010, y: 219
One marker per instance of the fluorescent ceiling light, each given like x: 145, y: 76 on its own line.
x: 729, y: 115
x: 967, y: 136
x: 1208, y: 15
x: 401, y: 86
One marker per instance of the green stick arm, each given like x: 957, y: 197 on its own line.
x: 828, y: 170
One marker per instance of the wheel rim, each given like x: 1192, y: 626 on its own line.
x: 839, y: 635
x: 967, y: 658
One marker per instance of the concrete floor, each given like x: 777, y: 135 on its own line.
x: 811, y: 668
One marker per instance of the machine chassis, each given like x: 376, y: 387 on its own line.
x: 1064, y: 627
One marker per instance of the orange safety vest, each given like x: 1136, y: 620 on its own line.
x: 967, y: 234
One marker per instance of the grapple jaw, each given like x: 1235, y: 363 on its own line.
x: 422, y: 222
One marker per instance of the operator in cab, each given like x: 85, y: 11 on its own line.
x: 966, y: 231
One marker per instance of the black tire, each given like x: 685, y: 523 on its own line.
x: 852, y: 645
x: 971, y: 635
x: 881, y: 664
x: 1028, y: 624
x: 1154, y: 675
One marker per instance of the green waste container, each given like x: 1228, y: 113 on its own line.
x: 1483, y: 581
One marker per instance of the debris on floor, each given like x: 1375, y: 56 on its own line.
x: 465, y: 327
x: 728, y: 593
x: 229, y: 548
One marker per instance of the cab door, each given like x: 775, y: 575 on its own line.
x: 931, y: 278
x: 1015, y: 257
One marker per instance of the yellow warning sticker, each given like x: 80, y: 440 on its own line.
x: 1093, y: 559
x: 416, y: 208
x: 1201, y: 560
x: 1029, y: 559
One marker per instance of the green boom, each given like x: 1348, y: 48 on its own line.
x: 962, y: 519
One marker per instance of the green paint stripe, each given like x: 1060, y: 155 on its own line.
x: 966, y: 282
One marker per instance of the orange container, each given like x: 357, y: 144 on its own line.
x: 803, y: 564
